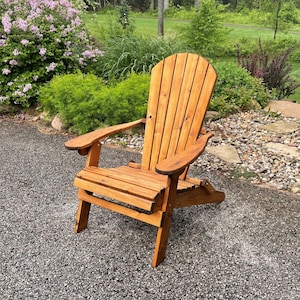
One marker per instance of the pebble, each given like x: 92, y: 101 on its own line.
x: 244, y: 131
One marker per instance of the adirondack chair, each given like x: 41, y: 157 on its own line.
x: 180, y: 90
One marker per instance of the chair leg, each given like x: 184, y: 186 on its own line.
x: 162, y: 240
x: 163, y: 231
x: 82, y: 216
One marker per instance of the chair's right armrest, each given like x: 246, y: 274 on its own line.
x: 87, y: 140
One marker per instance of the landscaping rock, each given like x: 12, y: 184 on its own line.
x: 57, y: 124
x: 227, y: 153
x: 282, y: 126
x: 286, y: 108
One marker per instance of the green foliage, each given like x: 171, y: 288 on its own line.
x: 39, y: 39
x: 85, y: 102
x: 179, y: 12
x: 206, y: 32
x: 120, y: 23
x: 236, y: 90
x: 134, y: 54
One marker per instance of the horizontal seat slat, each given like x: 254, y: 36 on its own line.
x: 133, y: 200
x: 131, y: 176
x: 143, y: 178
x: 154, y: 177
x: 119, y: 185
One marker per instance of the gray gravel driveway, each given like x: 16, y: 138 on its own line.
x: 244, y: 248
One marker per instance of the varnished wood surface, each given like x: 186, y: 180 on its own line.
x: 180, y: 89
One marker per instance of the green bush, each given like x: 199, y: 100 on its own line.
x: 134, y: 54
x: 85, y: 102
x: 206, y: 33
x: 236, y: 90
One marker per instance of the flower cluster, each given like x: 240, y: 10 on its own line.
x: 39, y: 39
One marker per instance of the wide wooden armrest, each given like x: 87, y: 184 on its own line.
x: 180, y: 161
x: 88, y: 139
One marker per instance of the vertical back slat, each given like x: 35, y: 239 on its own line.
x: 174, y: 106
x: 180, y: 90
x: 189, y: 119
x: 154, y: 92
x: 184, y: 98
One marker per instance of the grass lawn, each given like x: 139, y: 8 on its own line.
x: 147, y: 26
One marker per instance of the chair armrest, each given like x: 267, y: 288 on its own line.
x: 180, y: 161
x: 88, y: 139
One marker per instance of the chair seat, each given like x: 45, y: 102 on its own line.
x: 139, y: 188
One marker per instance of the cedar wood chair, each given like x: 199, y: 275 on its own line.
x: 180, y: 90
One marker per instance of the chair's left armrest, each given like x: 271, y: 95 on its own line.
x: 87, y: 140
x: 180, y: 161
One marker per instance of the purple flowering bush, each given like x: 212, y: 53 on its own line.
x: 39, y: 39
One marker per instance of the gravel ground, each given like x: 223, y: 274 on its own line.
x: 244, y: 248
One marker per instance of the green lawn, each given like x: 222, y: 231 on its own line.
x: 147, y: 26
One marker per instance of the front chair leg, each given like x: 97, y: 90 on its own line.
x: 162, y: 240
x: 82, y: 216
x: 164, y: 229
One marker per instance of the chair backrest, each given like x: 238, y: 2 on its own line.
x: 180, y: 90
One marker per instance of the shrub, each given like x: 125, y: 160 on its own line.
x: 274, y: 70
x: 206, y: 32
x: 236, y: 90
x: 134, y: 54
x: 38, y: 39
x: 85, y: 102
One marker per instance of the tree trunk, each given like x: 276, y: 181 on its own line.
x: 152, y: 5
x: 277, y: 18
x: 160, y: 17
x: 166, y: 4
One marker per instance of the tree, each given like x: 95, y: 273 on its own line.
x: 276, y: 21
x: 206, y: 33
x: 160, y: 8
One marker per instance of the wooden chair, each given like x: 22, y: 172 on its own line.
x: 180, y: 89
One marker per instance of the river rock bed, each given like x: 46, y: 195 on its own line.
x: 248, y: 134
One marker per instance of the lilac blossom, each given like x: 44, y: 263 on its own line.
x: 67, y: 53
x: 27, y: 87
x: 76, y: 21
x: 13, y: 62
x: 24, y: 42
x: 22, y: 24
x: 81, y: 61
x: 34, y: 29
x: 51, y: 4
x: 42, y: 51
x: 16, y: 52
x: 6, y: 71
x: 6, y: 22
x: 18, y: 93
x: 49, y: 18
x: 2, y: 43
x: 51, y: 67
x: 2, y: 98
x: 92, y: 53
x: 10, y: 83
x: 52, y: 28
